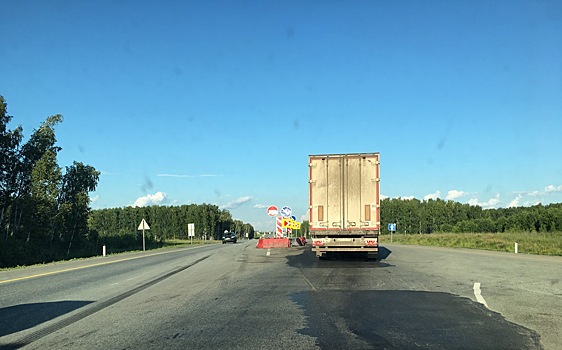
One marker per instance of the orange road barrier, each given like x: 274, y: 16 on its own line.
x: 273, y: 243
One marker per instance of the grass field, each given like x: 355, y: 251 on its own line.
x: 528, y: 243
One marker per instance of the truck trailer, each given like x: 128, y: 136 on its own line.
x: 344, y: 203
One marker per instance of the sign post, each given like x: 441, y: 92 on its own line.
x: 392, y: 229
x: 143, y: 226
x: 191, y: 231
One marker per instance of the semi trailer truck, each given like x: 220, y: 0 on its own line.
x: 344, y: 203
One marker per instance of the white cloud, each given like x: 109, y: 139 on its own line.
x: 260, y: 206
x: 383, y: 196
x: 473, y: 201
x: 432, y: 196
x: 95, y: 198
x: 492, y: 202
x: 552, y: 188
x: 408, y: 198
x: 237, y: 203
x: 454, y: 194
x: 515, y: 202
x: 151, y: 199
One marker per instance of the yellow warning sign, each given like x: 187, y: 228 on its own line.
x: 290, y: 223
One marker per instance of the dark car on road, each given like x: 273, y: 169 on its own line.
x: 229, y: 237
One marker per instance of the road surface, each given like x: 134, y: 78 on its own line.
x: 238, y: 297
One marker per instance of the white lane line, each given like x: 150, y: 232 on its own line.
x: 268, y: 252
x: 478, y: 295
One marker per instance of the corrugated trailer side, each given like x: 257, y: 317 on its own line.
x: 344, y: 202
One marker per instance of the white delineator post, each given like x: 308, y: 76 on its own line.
x: 516, y: 247
x: 103, y: 251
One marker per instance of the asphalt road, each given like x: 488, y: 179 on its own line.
x: 238, y: 297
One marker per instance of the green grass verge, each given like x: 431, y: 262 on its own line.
x: 180, y: 242
x: 528, y: 243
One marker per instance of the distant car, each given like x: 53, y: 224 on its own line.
x: 229, y: 237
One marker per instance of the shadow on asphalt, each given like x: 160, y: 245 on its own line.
x: 20, y: 317
x: 308, y: 258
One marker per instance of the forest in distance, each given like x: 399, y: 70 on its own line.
x: 447, y: 216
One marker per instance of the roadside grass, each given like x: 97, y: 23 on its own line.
x: 170, y: 243
x: 528, y: 243
x: 180, y: 242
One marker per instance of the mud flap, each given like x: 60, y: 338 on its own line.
x: 383, y: 253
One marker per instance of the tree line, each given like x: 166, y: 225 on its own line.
x: 437, y: 215
x: 117, y: 227
x: 43, y: 208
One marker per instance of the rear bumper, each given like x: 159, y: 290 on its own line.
x: 350, y: 244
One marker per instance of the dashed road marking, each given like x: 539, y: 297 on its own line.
x: 268, y: 252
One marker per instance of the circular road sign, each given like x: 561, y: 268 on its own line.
x: 286, y: 211
x: 272, y: 210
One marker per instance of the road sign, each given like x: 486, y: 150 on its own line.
x: 143, y: 225
x: 190, y: 230
x: 290, y: 223
x: 294, y: 217
x: 392, y: 227
x: 272, y: 210
x: 286, y: 211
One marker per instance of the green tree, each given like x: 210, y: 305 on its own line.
x: 10, y: 141
x: 41, y: 141
x: 74, y: 202
x: 45, y: 179
x: 305, y: 228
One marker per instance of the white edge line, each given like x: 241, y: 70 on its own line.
x: 478, y: 295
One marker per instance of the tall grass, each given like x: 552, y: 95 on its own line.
x: 528, y: 243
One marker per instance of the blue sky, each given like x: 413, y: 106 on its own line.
x: 221, y: 102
